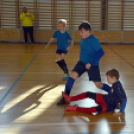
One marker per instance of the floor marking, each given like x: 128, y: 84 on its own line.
x: 9, y: 90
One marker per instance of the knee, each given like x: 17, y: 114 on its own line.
x: 58, y: 59
x: 74, y: 75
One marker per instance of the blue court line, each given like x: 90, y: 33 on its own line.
x: 3, y: 98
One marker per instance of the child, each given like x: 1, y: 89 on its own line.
x: 62, y: 46
x: 105, y: 103
x: 90, y: 55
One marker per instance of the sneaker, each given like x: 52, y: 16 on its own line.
x: 71, y: 108
x: 61, y: 102
x: 66, y: 97
x: 66, y: 76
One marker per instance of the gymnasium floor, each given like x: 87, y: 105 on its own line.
x: 31, y: 84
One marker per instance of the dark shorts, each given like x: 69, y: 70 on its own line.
x: 61, y: 51
x: 93, y: 72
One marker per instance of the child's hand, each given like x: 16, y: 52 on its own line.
x: 68, y: 48
x: 117, y: 114
x: 88, y: 66
x: 46, y: 46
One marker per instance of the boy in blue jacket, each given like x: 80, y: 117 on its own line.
x: 106, y: 103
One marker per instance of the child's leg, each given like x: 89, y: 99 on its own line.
x: 84, y: 110
x: 89, y: 110
x: 59, y: 60
x: 68, y: 88
x: 102, y: 108
x: 79, y: 96
x: 70, y: 82
x: 94, y: 75
x: 59, y: 64
x: 77, y: 71
x: 101, y: 101
x: 65, y: 68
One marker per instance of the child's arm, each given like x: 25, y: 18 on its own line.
x: 71, y: 45
x: 50, y: 41
x: 99, y: 53
x: 123, y: 99
x: 98, y: 56
x: 123, y: 106
x: 72, y: 41
x: 107, y: 88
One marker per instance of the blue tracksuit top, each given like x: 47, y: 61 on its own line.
x: 115, y: 95
x: 62, y: 40
x: 89, y: 48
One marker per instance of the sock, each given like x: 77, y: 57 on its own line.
x: 59, y: 62
x: 78, y: 97
x: 106, y: 87
x: 64, y: 65
x: 86, y: 110
x: 69, y: 85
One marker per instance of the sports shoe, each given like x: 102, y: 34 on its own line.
x: 66, y: 97
x: 66, y: 76
x: 71, y: 108
x: 61, y: 102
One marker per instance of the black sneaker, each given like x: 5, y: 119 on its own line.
x: 61, y: 102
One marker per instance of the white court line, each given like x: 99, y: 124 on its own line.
x: 57, y: 124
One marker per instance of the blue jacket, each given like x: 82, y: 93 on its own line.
x: 116, y: 95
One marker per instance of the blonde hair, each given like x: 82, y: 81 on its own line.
x: 62, y: 21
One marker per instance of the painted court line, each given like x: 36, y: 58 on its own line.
x: 9, y: 90
x: 121, y: 57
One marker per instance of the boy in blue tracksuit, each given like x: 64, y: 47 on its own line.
x: 63, y: 38
x: 106, y: 103
x: 90, y: 55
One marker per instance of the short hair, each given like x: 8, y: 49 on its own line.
x: 62, y: 21
x: 113, y: 73
x: 85, y: 25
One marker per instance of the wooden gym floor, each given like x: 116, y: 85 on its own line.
x: 31, y: 84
